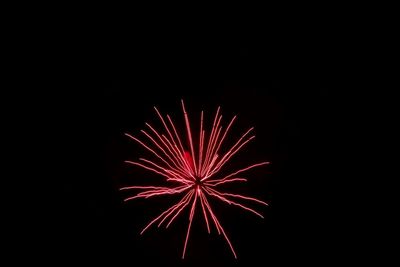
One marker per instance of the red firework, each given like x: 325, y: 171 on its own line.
x: 192, y: 174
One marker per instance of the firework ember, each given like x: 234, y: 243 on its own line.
x: 192, y: 170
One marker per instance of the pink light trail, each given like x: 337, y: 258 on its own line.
x: 192, y: 171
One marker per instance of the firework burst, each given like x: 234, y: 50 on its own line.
x: 193, y: 172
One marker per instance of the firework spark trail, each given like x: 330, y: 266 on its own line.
x: 193, y: 170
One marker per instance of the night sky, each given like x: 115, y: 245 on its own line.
x: 278, y: 76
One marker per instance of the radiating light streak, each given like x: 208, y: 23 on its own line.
x: 195, y: 167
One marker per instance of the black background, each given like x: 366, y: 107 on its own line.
x: 280, y: 74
